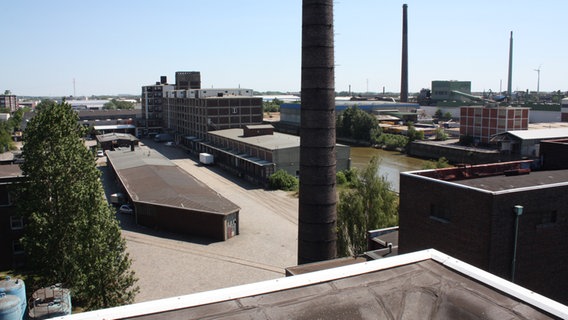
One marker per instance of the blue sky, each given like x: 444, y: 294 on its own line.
x: 115, y: 47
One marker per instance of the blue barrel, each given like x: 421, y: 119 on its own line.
x: 10, y: 307
x: 15, y: 287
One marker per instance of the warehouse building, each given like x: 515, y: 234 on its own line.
x: 500, y: 217
x: 256, y: 151
x: 168, y: 198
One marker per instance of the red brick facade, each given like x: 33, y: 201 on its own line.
x: 481, y: 123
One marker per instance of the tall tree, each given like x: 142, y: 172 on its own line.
x: 72, y: 235
x: 317, y: 197
x: 369, y: 205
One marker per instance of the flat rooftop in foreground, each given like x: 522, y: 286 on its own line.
x: 421, y: 285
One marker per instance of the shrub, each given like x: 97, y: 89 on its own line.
x: 340, y: 178
x: 282, y: 180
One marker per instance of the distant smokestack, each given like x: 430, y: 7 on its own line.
x: 404, y: 69
x: 510, y: 84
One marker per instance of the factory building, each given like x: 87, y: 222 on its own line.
x: 443, y: 90
x: 482, y: 123
x: 500, y: 217
x: 256, y: 151
x: 227, y: 123
x: 184, y: 108
x: 196, y: 112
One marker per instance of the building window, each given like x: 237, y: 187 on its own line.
x: 548, y: 218
x: 4, y: 196
x: 440, y: 213
x: 16, y: 223
x: 17, y: 247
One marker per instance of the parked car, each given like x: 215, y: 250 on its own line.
x: 100, y: 153
x: 126, y: 209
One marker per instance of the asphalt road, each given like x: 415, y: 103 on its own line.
x: 170, y: 265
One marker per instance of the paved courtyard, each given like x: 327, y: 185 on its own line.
x: 169, y: 265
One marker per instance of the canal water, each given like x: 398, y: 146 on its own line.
x: 391, y: 164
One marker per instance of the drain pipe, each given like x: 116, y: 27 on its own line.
x: 518, y: 212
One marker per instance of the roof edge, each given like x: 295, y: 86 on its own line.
x: 219, y: 295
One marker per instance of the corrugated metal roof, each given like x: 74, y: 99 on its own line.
x: 115, y: 136
x: 150, y: 177
x: 540, y: 134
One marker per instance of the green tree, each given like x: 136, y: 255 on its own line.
x: 441, y: 135
x: 414, y: 134
x: 391, y: 141
x: 72, y: 235
x: 438, y: 164
x: 438, y: 114
x: 357, y: 124
x: 115, y: 104
x: 369, y: 205
x: 6, y: 142
x: 45, y: 103
x: 272, y: 106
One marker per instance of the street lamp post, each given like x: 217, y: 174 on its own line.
x: 518, y: 210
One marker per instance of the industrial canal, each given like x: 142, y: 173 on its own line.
x: 392, y: 163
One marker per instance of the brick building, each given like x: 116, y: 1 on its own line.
x: 11, y: 225
x: 152, y: 103
x: 468, y: 212
x: 196, y: 112
x: 184, y: 109
x: 481, y: 123
x: 8, y: 101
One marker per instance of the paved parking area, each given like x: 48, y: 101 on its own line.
x: 170, y: 265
